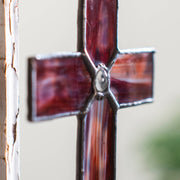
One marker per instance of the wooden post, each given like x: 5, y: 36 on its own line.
x: 9, y: 110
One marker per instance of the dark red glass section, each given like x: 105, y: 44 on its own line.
x: 101, y: 29
x: 62, y: 85
x: 99, y: 142
x: 132, y: 78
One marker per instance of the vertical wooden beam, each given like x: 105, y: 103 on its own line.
x: 9, y: 107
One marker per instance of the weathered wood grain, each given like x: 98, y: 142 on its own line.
x: 2, y: 31
x: 9, y: 111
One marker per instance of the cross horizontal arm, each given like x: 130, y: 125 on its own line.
x: 98, y: 29
x: 132, y: 78
x: 59, y: 86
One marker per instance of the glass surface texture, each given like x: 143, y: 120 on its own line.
x: 99, y: 143
x: 62, y: 85
x: 101, y: 30
x: 132, y: 78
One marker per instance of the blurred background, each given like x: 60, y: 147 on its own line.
x: 148, y: 136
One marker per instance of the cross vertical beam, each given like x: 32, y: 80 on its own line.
x: 9, y: 110
x: 97, y: 151
x: 97, y: 29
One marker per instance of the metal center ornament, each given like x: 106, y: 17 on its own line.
x: 102, y: 79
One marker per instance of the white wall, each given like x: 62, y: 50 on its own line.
x: 48, y: 149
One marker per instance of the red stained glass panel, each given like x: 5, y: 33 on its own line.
x: 62, y: 85
x: 101, y: 30
x: 132, y: 78
x: 99, y: 142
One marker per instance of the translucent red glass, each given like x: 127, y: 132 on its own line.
x: 132, y: 78
x: 99, y: 142
x: 101, y: 30
x: 62, y: 85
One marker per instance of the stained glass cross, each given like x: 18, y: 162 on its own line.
x: 92, y: 84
